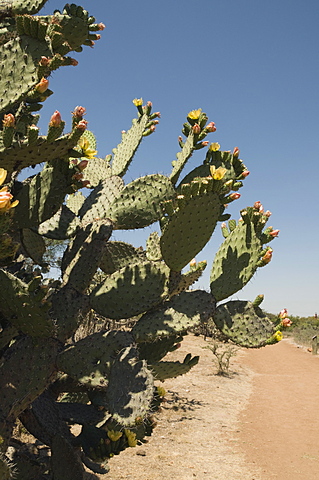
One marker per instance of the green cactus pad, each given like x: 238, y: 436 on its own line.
x: 27, y: 369
x: 97, y: 170
x: 41, y: 198
x: 19, y: 58
x: 66, y: 462
x: 118, y: 255
x: 82, y: 257
x: 189, y: 229
x: 139, y: 203
x: 6, y: 335
x: 30, y: 7
x: 130, y: 389
x: 89, y: 360
x: 22, y: 308
x: 153, y: 247
x: 62, y: 225
x: 184, y: 281
x: 22, y: 155
x: 68, y: 309
x: 243, y: 323
x: 75, y: 201
x: 34, y: 245
x: 236, y: 261
x: 155, y: 350
x: 124, y: 152
x: 164, y: 370
x: 175, y: 316
x: 182, y: 158
x: 130, y: 291
x: 98, y: 203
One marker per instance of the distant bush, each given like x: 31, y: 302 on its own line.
x: 303, y: 329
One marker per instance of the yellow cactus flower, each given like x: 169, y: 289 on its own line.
x: 160, y: 390
x: 278, y: 336
x: 131, y: 438
x: 214, y: 147
x: 114, y: 435
x: 3, y: 175
x: 217, y: 173
x: 138, y: 102
x: 87, y: 152
x: 5, y: 195
x: 194, y: 114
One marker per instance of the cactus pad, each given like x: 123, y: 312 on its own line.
x: 130, y: 291
x: 175, y: 316
x: 189, y: 229
x: 244, y: 324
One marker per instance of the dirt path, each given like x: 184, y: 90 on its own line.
x: 199, y: 418
x: 279, y: 428
x: 262, y: 423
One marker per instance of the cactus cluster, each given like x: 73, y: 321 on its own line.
x: 104, y: 381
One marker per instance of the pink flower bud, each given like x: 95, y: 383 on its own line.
x: 210, y: 127
x: 82, y: 165
x: 205, y: 143
x: 268, y: 213
x: 234, y: 196
x: 152, y: 128
x: 158, y: 114
x: 196, y: 129
x: 286, y: 322
x: 267, y: 257
x: 79, y: 112
x: 274, y: 233
x: 101, y: 26
x: 42, y: 86
x: 236, y: 152
x: 74, y: 62
x: 245, y: 173
x: 149, y: 104
x: 8, y: 120
x: 192, y: 263
x: 77, y: 176
x: 55, y: 120
x: 44, y: 62
x: 82, y: 125
x: 283, y: 313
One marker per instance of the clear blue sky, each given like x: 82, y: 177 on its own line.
x: 253, y: 68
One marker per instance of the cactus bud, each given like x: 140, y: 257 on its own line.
x: 234, y: 196
x: 82, y: 125
x: 267, y: 256
x: 192, y: 263
x: 258, y: 205
x: 42, y: 86
x: 196, y: 129
x: 8, y: 120
x: 283, y: 313
x: 274, y: 233
x: 55, y: 120
x: 82, y: 165
x: 236, y: 152
x: 210, y: 127
x: 101, y: 26
x: 44, y: 61
x: 79, y: 112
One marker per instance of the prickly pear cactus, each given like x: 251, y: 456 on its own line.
x: 54, y: 370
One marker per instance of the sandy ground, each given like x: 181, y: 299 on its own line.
x: 279, y: 428
x: 195, y: 433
